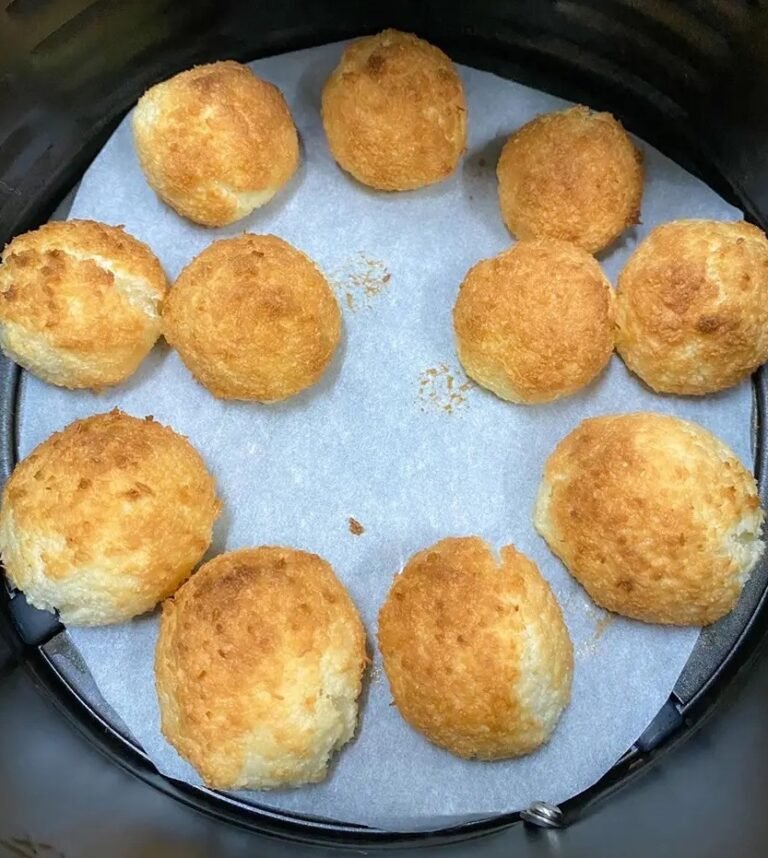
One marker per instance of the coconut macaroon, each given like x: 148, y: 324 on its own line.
x: 475, y: 649
x: 215, y: 142
x: 692, y: 306
x: 253, y: 318
x: 653, y: 515
x: 79, y: 303
x: 258, y: 668
x: 536, y: 322
x: 106, y: 518
x: 573, y: 175
x: 394, y: 112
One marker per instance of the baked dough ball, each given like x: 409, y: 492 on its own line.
x: 394, y: 112
x: 215, y: 142
x: 654, y: 516
x: 253, y: 318
x: 536, y: 322
x: 106, y: 518
x: 573, y: 175
x: 79, y: 303
x: 475, y: 649
x: 258, y: 668
x: 692, y: 306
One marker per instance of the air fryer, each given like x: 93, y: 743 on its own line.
x: 687, y: 77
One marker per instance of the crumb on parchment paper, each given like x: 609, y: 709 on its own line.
x: 589, y: 646
x: 355, y: 528
x: 443, y: 389
x: 360, y: 279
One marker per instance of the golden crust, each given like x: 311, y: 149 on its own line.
x: 394, y: 112
x: 215, y: 142
x: 654, y: 516
x: 692, y: 306
x: 475, y: 649
x: 79, y: 303
x: 253, y: 318
x: 573, y: 175
x: 536, y: 322
x: 106, y: 518
x: 258, y: 668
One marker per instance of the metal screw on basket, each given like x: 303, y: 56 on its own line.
x: 543, y: 814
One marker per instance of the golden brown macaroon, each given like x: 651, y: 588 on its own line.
x: 536, y: 322
x: 475, y: 649
x: 253, y: 318
x: 106, y: 518
x: 692, y: 306
x: 394, y: 112
x: 258, y: 668
x: 654, y: 516
x: 573, y: 175
x: 79, y: 303
x: 215, y: 142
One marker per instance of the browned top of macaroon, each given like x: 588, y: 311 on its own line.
x: 535, y: 322
x: 394, y: 112
x: 245, y: 647
x: 654, y: 515
x: 573, y: 175
x: 253, y: 318
x: 692, y: 306
x: 459, y: 632
x: 212, y: 133
x: 112, y: 489
x: 84, y: 285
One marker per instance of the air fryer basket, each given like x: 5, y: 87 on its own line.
x: 688, y: 77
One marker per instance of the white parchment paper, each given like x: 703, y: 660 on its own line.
x: 395, y: 437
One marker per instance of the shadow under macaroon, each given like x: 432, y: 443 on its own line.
x: 479, y: 183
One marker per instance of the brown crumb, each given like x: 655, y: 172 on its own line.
x: 360, y: 279
x: 481, y: 162
x: 355, y: 528
x: 589, y: 646
x: 443, y: 389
